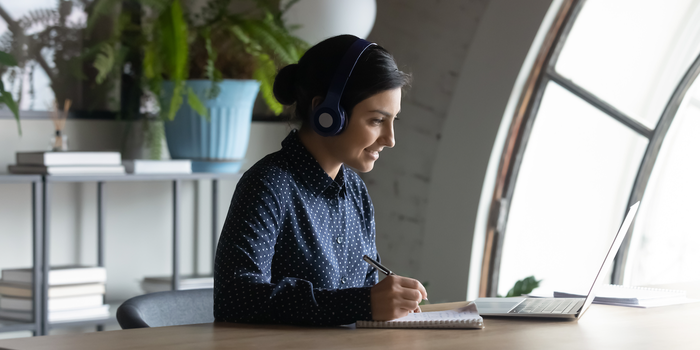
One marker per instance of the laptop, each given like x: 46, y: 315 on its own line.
x: 571, y: 308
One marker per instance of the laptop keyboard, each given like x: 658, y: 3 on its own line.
x: 548, y: 306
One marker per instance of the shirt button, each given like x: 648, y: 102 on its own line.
x: 333, y: 201
x: 339, y: 239
x: 343, y: 280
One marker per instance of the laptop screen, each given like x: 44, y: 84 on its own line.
x: 610, y: 257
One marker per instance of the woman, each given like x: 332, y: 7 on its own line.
x: 300, y: 219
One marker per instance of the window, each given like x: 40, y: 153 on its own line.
x: 603, y: 129
x: 666, y: 237
x: 46, y: 39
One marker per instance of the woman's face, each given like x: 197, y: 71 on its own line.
x: 369, y: 130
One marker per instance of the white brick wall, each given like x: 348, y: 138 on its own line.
x: 430, y: 39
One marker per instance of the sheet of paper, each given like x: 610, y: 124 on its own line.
x: 464, y: 313
x: 655, y: 303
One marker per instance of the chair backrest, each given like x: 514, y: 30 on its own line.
x: 171, y: 308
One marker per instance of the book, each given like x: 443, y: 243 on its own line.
x: 146, y: 166
x: 464, y: 317
x: 627, y: 295
x: 66, y: 170
x: 59, y: 275
x: 163, y: 283
x: 98, y: 312
x: 24, y: 290
x: 55, y: 304
x: 49, y: 158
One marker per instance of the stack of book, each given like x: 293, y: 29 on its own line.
x: 161, y: 284
x: 75, y: 293
x: 67, y: 163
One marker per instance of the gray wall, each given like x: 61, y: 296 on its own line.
x: 465, y: 57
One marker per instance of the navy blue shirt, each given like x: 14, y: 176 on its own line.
x: 292, y: 245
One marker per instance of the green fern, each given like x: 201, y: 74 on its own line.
x: 5, y: 96
x: 174, y: 32
x: 196, y: 104
x: 523, y: 286
x: 265, y: 73
x: 212, y: 73
x: 104, y: 62
x: 261, y: 37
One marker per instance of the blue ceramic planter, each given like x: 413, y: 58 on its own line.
x: 218, y: 145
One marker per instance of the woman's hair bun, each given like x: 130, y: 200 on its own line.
x: 285, y: 85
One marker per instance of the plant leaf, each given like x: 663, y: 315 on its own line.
x: 151, y: 68
x: 265, y: 74
x: 7, y: 60
x: 196, y: 104
x: 263, y: 34
x: 6, y: 98
x: 174, y: 34
x: 175, y: 100
x: 174, y: 51
x: 104, y: 62
x: 523, y: 286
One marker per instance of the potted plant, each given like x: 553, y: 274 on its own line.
x: 201, y: 72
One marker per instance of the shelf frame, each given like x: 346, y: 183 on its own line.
x: 41, y: 219
x: 36, y: 183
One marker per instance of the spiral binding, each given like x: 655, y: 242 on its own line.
x: 463, y: 323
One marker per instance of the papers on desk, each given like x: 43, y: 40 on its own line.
x: 632, y: 296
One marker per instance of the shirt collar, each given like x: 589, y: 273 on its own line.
x: 314, y: 178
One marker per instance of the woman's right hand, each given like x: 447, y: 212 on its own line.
x: 395, y: 297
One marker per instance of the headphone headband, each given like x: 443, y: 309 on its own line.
x: 329, y: 118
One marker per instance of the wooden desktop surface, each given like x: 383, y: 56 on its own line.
x: 602, y: 327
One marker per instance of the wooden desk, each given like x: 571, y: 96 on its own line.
x: 602, y: 327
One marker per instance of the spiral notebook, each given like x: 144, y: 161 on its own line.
x: 464, y: 317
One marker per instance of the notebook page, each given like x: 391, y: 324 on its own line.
x: 464, y: 317
x: 464, y: 313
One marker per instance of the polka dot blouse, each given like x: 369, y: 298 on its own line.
x: 292, y: 245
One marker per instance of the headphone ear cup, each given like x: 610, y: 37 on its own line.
x: 327, y: 121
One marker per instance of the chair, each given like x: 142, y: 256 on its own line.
x: 171, y: 308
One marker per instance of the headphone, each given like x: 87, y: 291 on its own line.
x: 329, y: 118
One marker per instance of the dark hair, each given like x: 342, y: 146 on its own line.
x: 299, y: 83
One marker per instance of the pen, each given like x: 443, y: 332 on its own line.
x: 380, y: 267
x: 377, y: 265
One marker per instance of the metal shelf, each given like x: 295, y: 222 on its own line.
x: 13, y: 179
x: 13, y: 326
x: 35, y: 181
x: 41, y: 211
x: 139, y: 177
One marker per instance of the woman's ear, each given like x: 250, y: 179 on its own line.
x: 315, y: 102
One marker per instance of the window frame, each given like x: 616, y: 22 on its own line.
x: 520, y: 129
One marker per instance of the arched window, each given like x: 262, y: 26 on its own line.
x: 610, y: 117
